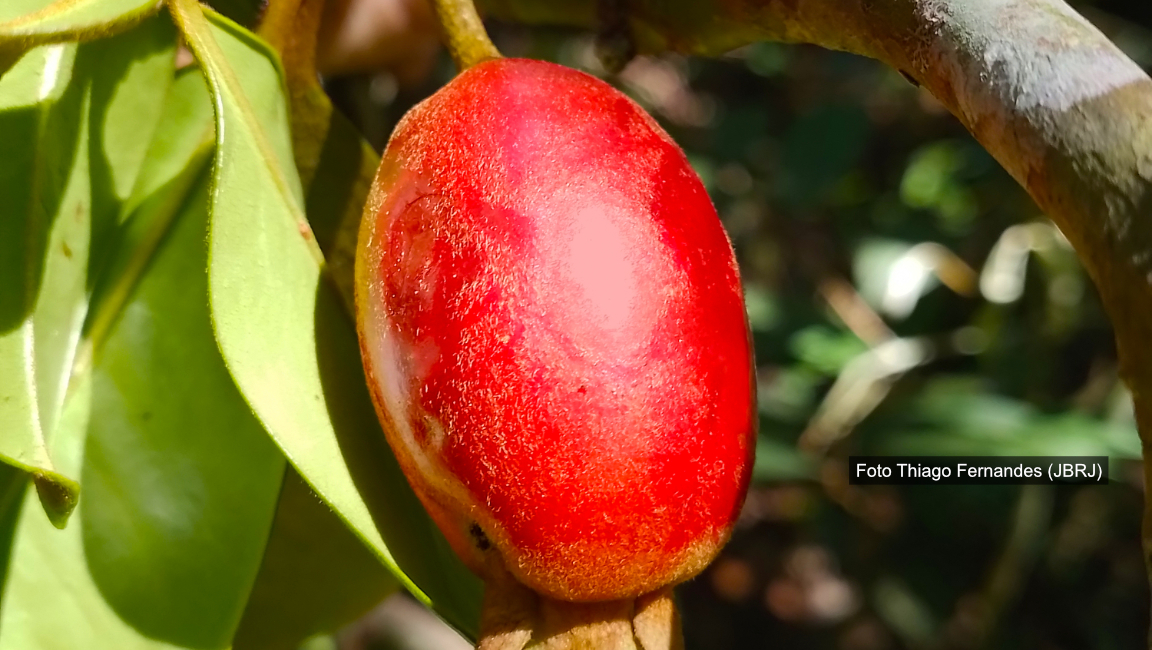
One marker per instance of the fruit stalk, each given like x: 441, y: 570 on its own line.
x: 516, y: 618
x: 464, y: 33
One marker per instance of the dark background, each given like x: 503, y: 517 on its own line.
x: 906, y: 297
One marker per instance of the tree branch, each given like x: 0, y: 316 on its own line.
x: 1056, y: 103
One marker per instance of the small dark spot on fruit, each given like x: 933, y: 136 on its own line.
x: 582, y: 390
x: 479, y: 538
x: 67, y: 251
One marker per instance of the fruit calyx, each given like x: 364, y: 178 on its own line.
x: 516, y: 618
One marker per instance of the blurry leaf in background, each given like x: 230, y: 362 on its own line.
x: 768, y: 59
x: 821, y: 146
x: 777, y: 461
x: 931, y: 182
x: 826, y: 350
x: 283, y: 332
x: 762, y: 307
x: 872, y: 266
x: 893, y: 276
x: 789, y: 394
x: 1005, y: 270
x: 904, y: 610
x: 743, y: 128
x: 957, y: 416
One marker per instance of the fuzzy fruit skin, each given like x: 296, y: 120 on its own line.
x: 552, y: 323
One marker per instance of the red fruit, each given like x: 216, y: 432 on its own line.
x: 552, y: 324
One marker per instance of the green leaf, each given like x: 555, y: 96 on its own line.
x: 279, y: 324
x: 81, y: 120
x: 13, y: 487
x: 130, y: 76
x: 316, y: 576
x: 343, y: 170
x: 181, y: 482
x: 182, y: 479
x: 44, y: 238
x: 335, y: 163
x: 27, y: 23
x: 189, y: 106
x: 50, y: 601
x: 175, y: 159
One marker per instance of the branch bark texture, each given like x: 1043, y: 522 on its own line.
x: 1048, y: 95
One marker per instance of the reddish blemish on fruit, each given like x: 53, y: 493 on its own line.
x: 553, y: 327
